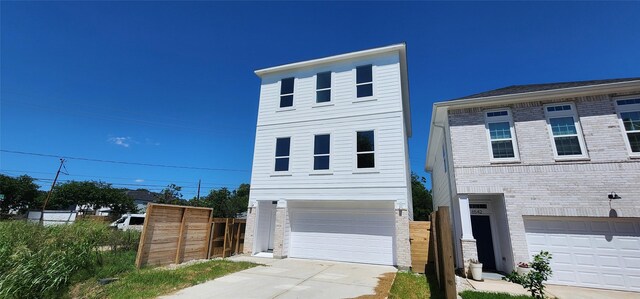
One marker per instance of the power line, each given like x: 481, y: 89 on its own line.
x: 109, y: 177
x: 125, y: 184
x: 124, y: 162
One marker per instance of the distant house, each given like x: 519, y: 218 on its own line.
x: 552, y: 167
x: 331, y: 177
x: 142, y: 197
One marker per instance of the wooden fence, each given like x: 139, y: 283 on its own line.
x: 175, y: 234
x: 419, y: 235
x: 442, y: 244
x: 227, y: 237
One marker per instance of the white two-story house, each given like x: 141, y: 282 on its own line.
x: 553, y: 167
x: 331, y: 177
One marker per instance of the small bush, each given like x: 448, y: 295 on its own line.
x: 534, y: 280
x: 38, y: 262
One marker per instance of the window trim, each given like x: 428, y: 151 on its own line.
x: 626, y: 108
x: 275, y: 157
x: 280, y: 95
x: 514, y: 140
x: 330, y: 88
x: 576, y: 121
x: 330, y: 154
x: 356, y: 84
x: 373, y: 169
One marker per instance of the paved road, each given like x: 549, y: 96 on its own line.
x: 290, y: 278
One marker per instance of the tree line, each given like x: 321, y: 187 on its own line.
x: 21, y: 194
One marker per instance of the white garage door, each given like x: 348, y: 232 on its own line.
x: 590, y: 252
x: 361, y: 233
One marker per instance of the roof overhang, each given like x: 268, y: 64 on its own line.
x: 440, y: 109
x: 400, y: 48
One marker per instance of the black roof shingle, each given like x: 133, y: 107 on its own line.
x: 516, y: 89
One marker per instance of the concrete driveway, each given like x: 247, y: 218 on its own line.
x: 291, y: 278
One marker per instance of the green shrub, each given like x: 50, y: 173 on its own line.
x: 534, y: 280
x: 38, y: 262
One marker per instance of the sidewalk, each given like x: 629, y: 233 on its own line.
x: 493, y: 283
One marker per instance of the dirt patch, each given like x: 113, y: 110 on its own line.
x: 385, y: 281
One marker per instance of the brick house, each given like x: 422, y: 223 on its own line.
x: 552, y: 167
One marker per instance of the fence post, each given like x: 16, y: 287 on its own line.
x: 143, y: 236
x: 434, y: 243
x: 181, y: 234
x: 446, y: 252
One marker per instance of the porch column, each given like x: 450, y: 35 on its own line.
x: 465, y: 217
x: 279, y: 232
x: 249, y: 228
x: 467, y: 242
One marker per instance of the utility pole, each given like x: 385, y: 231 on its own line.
x: 50, y: 191
x: 198, y: 189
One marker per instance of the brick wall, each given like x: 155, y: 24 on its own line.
x: 403, y: 249
x: 278, y: 234
x: 538, y: 185
x: 248, y: 231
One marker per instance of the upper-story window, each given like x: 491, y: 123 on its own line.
x: 283, y: 148
x: 364, y: 81
x: 565, y: 131
x: 499, y: 126
x: 323, y: 87
x: 321, y: 152
x: 629, y: 113
x: 365, y: 151
x: 286, y: 92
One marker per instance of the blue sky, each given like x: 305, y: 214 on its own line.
x: 173, y: 84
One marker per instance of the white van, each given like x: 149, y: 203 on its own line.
x: 129, y: 222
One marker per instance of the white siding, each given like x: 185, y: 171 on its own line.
x: 341, y: 119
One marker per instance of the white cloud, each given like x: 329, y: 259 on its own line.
x: 121, y: 141
x: 139, y: 180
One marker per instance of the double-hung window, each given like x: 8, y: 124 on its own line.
x: 503, y: 145
x: 283, y: 147
x: 629, y: 113
x: 365, y: 151
x: 364, y: 81
x: 321, y: 152
x: 286, y: 92
x: 566, y: 135
x: 323, y: 87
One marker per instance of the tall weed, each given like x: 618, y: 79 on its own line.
x: 38, y: 262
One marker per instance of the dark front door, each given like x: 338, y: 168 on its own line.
x: 481, y: 227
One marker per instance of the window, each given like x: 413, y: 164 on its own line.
x: 365, y: 150
x: 286, y: 92
x: 629, y: 113
x: 503, y: 145
x: 566, y: 135
x: 282, y: 154
x: 364, y: 81
x: 323, y: 87
x: 321, y: 152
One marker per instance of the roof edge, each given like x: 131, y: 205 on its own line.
x: 543, y: 94
x: 330, y: 59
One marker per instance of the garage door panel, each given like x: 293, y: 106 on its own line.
x: 342, y: 234
x: 591, y: 252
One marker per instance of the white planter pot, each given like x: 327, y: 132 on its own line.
x: 523, y: 271
x: 476, y: 271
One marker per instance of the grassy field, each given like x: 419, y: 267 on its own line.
x: 152, y: 282
x: 487, y: 295
x: 67, y: 261
x: 413, y: 286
